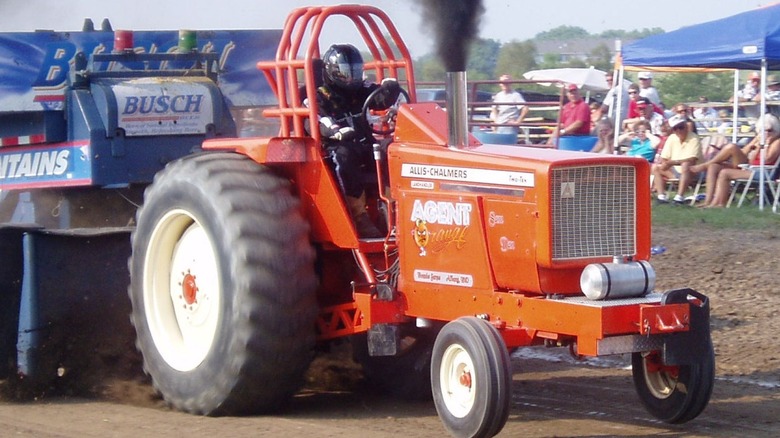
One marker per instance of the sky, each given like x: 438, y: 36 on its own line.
x: 503, y: 20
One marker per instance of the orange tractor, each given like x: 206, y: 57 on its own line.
x: 245, y: 258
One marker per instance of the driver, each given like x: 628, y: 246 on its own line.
x: 347, y: 136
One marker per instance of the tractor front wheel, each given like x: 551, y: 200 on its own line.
x: 471, y: 378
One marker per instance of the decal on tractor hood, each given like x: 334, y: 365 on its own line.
x: 455, y: 216
x: 447, y: 278
x: 465, y: 174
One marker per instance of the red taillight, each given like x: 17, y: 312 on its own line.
x: 123, y: 40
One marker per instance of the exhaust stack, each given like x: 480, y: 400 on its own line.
x: 457, y: 109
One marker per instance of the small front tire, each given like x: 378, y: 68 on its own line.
x: 471, y: 378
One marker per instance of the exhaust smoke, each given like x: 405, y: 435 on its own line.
x: 455, y: 25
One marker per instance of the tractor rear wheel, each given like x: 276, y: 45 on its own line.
x: 471, y: 378
x: 222, y: 286
x: 674, y: 394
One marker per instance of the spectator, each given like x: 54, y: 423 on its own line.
x: 681, y: 151
x: 609, y: 104
x: 595, y: 115
x: 641, y: 142
x: 750, y: 89
x: 646, y: 88
x: 705, y: 115
x: 511, y: 111
x: 729, y: 160
x: 685, y: 111
x: 748, y: 94
x: 647, y: 112
x: 575, y: 115
x: 633, y: 95
x: 725, y: 119
x: 605, y: 131
x: 772, y: 89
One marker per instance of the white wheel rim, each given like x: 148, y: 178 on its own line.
x: 661, y: 384
x: 458, y: 381
x: 181, y: 290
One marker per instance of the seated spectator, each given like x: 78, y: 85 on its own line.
x: 681, y: 151
x: 727, y: 164
x: 772, y: 89
x: 748, y: 94
x: 575, y: 115
x: 750, y: 89
x: 725, y: 119
x: 646, y: 112
x: 685, y: 111
x: 641, y: 142
x: 705, y: 115
x: 605, y: 131
x: 666, y: 131
x: 633, y: 95
x: 595, y: 115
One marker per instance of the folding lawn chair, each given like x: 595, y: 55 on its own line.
x: 751, y: 184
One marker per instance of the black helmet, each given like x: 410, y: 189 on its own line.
x: 343, y: 66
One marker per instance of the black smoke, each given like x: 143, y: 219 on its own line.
x: 455, y: 23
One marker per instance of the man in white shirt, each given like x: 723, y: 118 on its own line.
x: 646, y: 88
x: 508, y: 109
x: 609, y: 104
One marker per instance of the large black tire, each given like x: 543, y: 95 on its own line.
x: 407, y: 375
x: 223, y: 286
x: 674, y: 394
x: 471, y: 378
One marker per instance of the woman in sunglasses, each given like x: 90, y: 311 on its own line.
x: 633, y: 95
x: 732, y: 160
x: 641, y: 142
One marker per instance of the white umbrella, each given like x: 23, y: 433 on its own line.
x: 588, y: 79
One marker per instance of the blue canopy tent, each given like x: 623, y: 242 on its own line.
x: 750, y: 40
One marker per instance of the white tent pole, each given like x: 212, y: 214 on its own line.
x: 735, y: 108
x: 619, y: 92
x: 762, y: 149
x: 618, y: 110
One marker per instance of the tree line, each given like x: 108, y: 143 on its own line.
x: 488, y: 58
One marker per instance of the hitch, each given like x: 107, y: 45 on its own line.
x: 687, y: 347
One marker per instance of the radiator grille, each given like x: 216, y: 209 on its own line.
x: 593, y: 211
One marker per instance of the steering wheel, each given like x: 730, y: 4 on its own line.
x: 382, y: 122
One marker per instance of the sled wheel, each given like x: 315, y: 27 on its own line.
x: 674, y: 394
x: 470, y: 378
x: 222, y: 286
x: 407, y: 375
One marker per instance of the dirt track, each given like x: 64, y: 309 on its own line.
x: 552, y: 394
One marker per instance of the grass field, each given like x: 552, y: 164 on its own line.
x: 746, y: 217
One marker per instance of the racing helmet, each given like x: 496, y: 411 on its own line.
x: 343, y: 66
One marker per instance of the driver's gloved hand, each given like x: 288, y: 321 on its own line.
x: 391, y: 85
x: 343, y: 134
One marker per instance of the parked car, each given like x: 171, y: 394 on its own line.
x: 440, y: 95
